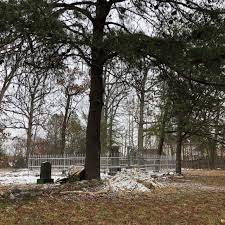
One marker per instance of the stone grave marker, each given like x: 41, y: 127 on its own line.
x: 45, y: 175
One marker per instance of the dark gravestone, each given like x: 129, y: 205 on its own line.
x: 45, y: 175
x: 115, y: 161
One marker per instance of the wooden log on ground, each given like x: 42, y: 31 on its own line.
x: 76, y: 175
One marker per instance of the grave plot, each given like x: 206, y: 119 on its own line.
x: 90, y: 203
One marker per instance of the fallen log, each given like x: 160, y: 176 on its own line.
x: 75, y: 175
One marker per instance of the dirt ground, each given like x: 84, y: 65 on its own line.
x: 197, y: 198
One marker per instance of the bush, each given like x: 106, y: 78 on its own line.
x: 4, y: 162
x: 19, y: 162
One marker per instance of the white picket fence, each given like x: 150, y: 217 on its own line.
x: 147, y: 162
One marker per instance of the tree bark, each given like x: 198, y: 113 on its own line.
x: 213, y: 142
x: 140, y: 127
x: 141, y: 123
x: 7, y: 81
x: 98, y: 58
x: 93, y: 147
x: 104, y: 120
x: 29, y: 140
x: 104, y: 136
x: 2, y: 93
x: 212, y: 147
x: 29, y: 128
x: 162, y: 130
x: 110, y: 133
x: 179, y: 147
x: 64, y: 125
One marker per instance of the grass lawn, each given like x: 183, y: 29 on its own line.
x: 167, y: 206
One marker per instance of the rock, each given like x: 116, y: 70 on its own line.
x: 12, y: 196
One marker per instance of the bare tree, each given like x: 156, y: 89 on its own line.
x: 27, y: 107
x: 143, y: 81
x: 73, y: 87
x: 9, y: 69
x: 115, y: 92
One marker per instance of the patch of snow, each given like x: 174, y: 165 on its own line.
x: 171, y: 173
x: 21, y: 176
x: 126, y: 180
x: 126, y: 184
x: 133, y: 180
x: 105, y: 176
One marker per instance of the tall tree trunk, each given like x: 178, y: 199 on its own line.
x: 98, y: 54
x: 110, y: 133
x: 141, y: 96
x: 213, y: 141
x: 29, y: 129
x: 2, y: 94
x: 64, y: 124
x: 104, y: 120
x: 212, y: 148
x: 7, y: 81
x: 29, y: 140
x: 140, y: 127
x: 162, y: 129
x: 179, y: 147
x: 132, y: 128
x: 104, y: 136
x: 141, y: 123
x: 93, y: 147
x: 162, y: 136
x: 129, y: 128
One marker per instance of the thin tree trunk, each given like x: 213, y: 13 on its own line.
x: 140, y: 128
x: 104, y: 120
x: 132, y: 128
x: 104, y: 134
x: 29, y: 140
x: 64, y: 124
x: 29, y: 129
x: 2, y: 94
x: 141, y: 123
x: 179, y: 147
x: 110, y: 133
x: 7, y: 82
x: 212, y: 154
x: 162, y: 130
x: 213, y: 142
x: 129, y: 128
x: 162, y: 134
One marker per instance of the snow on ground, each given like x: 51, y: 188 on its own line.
x: 133, y: 180
x: 22, y: 176
x: 126, y: 180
